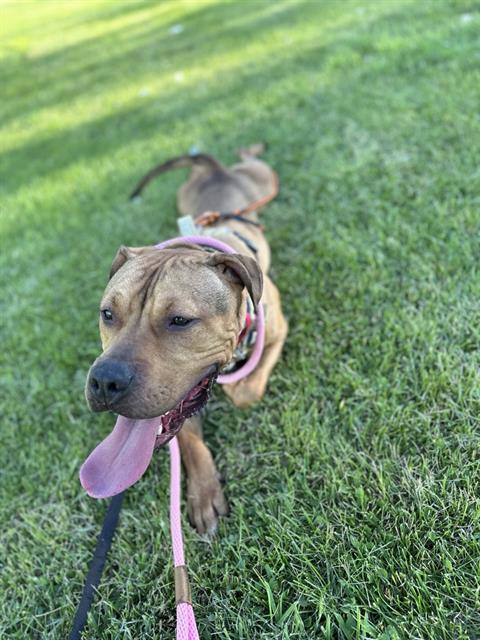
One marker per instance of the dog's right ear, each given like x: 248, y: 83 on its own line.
x: 123, y: 254
x: 241, y: 269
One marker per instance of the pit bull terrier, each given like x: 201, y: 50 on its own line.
x: 171, y: 320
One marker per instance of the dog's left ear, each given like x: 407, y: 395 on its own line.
x: 125, y: 253
x: 241, y: 270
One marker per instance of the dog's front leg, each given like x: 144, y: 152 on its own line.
x: 205, y: 499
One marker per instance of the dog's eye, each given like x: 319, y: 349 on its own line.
x: 107, y: 315
x: 179, y: 321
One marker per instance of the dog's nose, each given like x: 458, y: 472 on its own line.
x: 109, y: 380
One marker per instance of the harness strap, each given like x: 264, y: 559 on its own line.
x: 239, y: 218
x: 211, y: 217
x: 246, y: 242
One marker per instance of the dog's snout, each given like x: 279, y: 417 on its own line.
x: 109, y: 380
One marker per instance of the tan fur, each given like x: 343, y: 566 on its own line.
x: 149, y: 286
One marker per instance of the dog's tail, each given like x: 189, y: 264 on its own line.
x: 177, y: 163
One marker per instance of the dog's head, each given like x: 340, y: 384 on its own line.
x: 169, y: 320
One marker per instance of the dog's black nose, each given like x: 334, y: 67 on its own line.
x: 109, y: 380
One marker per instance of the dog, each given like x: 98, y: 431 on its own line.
x: 172, y: 319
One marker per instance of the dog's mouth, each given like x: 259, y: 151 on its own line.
x: 123, y: 457
x: 192, y: 403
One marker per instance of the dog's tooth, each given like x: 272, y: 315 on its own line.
x: 160, y: 430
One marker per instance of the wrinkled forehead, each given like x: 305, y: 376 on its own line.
x: 181, y: 281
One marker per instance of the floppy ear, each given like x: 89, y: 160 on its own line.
x: 125, y: 253
x: 241, y: 269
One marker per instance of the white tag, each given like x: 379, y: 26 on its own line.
x: 186, y: 226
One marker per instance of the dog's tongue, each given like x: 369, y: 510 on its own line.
x: 121, y: 459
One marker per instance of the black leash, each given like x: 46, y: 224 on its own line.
x: 96, y: 567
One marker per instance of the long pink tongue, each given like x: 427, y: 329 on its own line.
x: 121, y: 459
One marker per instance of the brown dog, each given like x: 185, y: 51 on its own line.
x: 170, y: 320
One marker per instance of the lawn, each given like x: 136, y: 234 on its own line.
x: 354, y: 487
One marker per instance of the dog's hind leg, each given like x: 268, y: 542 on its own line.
x: 205, y: 499
x: 252, y: 151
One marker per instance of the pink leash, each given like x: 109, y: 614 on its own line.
x: 186, y: 625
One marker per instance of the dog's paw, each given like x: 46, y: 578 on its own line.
x: 243, y: 394
x: 205, y: 503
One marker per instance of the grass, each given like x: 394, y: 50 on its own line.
x: 354, y: 486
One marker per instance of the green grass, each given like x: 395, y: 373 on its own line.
x: 354, y: 486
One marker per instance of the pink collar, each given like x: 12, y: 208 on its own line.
x: 254, y: 359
